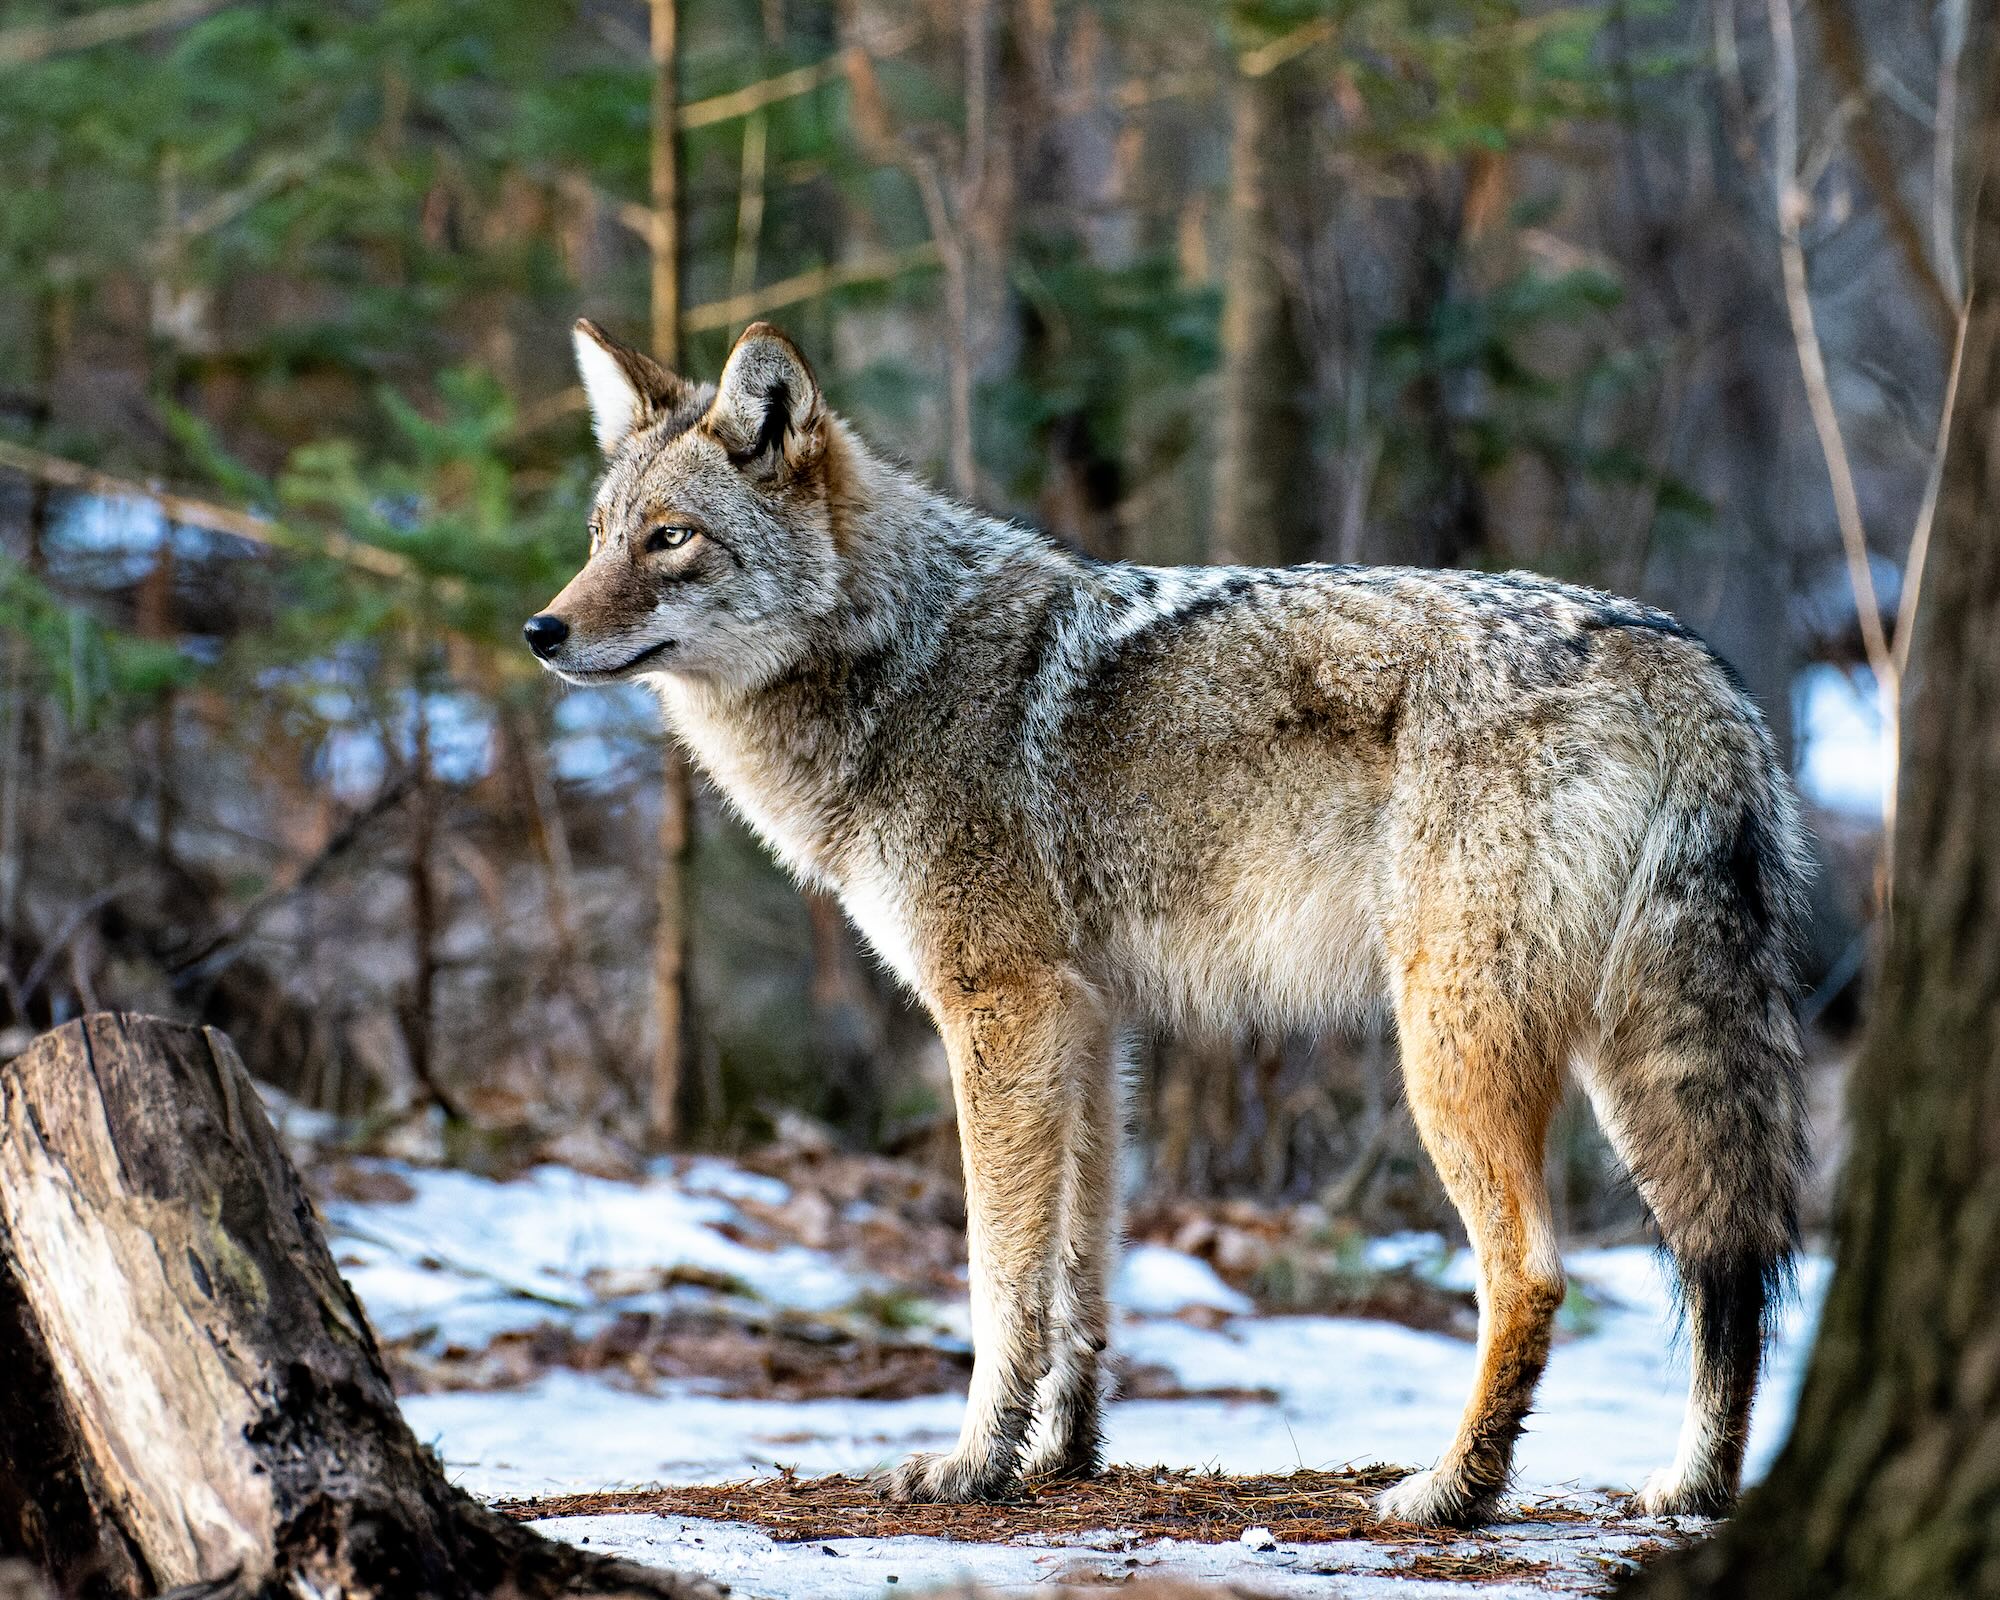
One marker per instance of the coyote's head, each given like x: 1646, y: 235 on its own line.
x: 711, y: 544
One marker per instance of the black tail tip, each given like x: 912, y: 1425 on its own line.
x: 1731, y: 1300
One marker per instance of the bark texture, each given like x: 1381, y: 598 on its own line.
x: 1890, y: 1483
x: 670, y: 938
x: 1262, y: 510
x: 193, y: 1398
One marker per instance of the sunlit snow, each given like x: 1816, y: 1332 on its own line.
x: 467, y: 1258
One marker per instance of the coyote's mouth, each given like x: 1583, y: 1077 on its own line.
x: 610, y: 674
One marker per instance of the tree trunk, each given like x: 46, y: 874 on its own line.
x: 192, y: 1394
x: 20, y: 747
x: 670, y: 948
x: 420, y: 1015
x: 1262, y: 509
x: 664, y: 38
x: 846, y: 1035
x: 1890, y: 1483
x: 1261, y: 515
x: 670, y: 937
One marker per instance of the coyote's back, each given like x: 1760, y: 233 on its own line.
x: 1543, y: 825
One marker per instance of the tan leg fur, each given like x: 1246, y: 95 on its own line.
x: 1015, y: 1046
x: 1068, y: 1440
x: 1482, y: 1091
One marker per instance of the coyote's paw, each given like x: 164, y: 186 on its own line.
x: 1668, y: 1494
x: 1068, y: 1460
x: 929, y: 1479
x: 1435, y: 1500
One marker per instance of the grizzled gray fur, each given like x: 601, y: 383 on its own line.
x: 1546, y: 826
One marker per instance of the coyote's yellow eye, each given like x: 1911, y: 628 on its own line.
x: 668, y: 536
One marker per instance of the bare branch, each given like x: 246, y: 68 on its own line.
x: 1845, y: 59
x: 204, y: 514
x: 1136, y: 92
x: 629, y: 214
x: 1267, y: 58
x: 1812, y: 358
x: 273, y: 176
x: 58, y: 946
x: 1920, y: 534
x: 806, y: 286
x: 223, y: 946
x: 785, y: 85
x: 1944, y: 150
x: 19, y: 47
x: 550, y: 409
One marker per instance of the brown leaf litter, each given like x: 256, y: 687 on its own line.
x: 1301, y: 1507
x: 1480, y: 1566
x: 739, y: 1354
x: 760, y: 1357
x: 1129, y: 1507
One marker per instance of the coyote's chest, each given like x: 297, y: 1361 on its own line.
x: 762, y: 778
x: 798, y: 810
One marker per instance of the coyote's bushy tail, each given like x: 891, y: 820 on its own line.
x: 1700, y: 1080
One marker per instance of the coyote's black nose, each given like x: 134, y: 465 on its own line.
x: 544, y: 633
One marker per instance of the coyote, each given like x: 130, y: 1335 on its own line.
x: 1057, y: 795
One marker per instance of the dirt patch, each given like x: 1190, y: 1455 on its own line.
x: 781, y: 1358
x: 1635, y: 1558
x: 1308, y: 1282
x: 1303, y: 1507
x: 365, y: 1183
x: 1081, y: 1583
x: 1483, y: 1566
x: 1117, y: 1516
x: 1292, y: 1259
x: 1145, y: 1381
x: 739, y: 1357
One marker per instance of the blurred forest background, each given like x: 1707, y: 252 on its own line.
x: 1657, y: 295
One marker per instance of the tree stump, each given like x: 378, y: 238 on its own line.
x: 192, y: 1398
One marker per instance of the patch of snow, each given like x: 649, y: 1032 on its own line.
x: 471, y: 1257
x: 706, y: 1175
x: 1155, y: 1281
x: 1349, y: 1391
x: 1394, y: 1251
x: 296, y: 1123
x: 1844, y: 758
x: 568, y: 1432
x: 867, y: 1569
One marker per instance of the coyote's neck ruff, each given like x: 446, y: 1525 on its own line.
x: 1544, y: 824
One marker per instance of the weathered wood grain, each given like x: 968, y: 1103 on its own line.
x: 192, y: 1397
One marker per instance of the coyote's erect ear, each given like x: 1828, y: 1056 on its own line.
x: 767, y: 411
x: 627, y: 389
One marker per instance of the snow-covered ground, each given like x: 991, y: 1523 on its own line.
x: 470, y: 1258
x: 464, y: 1259
x: 1580, y: 1558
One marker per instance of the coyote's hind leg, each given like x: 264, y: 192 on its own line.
x: 1482, y: 1094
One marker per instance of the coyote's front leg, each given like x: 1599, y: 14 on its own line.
x: 1068, y: 1437
x: 1015, y: 1047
